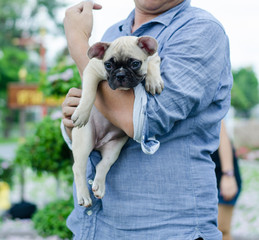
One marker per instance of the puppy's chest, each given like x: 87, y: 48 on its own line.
x: 103, y: 130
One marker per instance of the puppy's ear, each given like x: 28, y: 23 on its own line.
x: 98, y: 50
x: 147, y: 44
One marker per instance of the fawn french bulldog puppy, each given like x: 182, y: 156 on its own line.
x: 124, y: 63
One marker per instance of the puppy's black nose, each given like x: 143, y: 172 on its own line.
x: 120, y: 76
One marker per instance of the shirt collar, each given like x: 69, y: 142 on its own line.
x: 164, y: 18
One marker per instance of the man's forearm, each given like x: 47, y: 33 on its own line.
x: 116, y: 106
x: 78, y: 51
x: 78, y: 24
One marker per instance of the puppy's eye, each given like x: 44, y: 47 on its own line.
x: 108, y: 66
x: 135, y: 64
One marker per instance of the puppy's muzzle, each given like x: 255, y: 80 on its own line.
x: 120, y: 76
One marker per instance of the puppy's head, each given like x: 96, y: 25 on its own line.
x: 125, y: 59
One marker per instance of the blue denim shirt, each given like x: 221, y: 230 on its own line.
x: 170, y: 194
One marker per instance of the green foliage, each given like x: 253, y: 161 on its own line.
x: 245, y: 92
x: 60, y: 79
x: 12, y: 60
x: 19, y: 18
x: 46, y: 151
x: 10, y: 13
x: 6, y: 171
x: 51, y: 220
x: 51, y: 6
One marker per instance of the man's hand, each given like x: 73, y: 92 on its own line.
x: 68, y: 107
x: 78, y: 25
x: 79, y: 19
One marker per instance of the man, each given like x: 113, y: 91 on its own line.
x: 170, y: 194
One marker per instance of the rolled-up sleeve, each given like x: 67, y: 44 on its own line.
x: 148, y: 145
x: 65, y: 136
x: 195, y: 67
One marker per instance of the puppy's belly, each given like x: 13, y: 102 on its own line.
x: 104, y: 130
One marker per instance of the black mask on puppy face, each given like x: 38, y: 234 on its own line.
x: 124, y: 73
x: 125, y: 59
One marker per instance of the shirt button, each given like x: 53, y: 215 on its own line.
x: 89, y: 213
x: 90, y: 181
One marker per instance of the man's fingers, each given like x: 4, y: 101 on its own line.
x: 83, y: 7
x: 97, y: 6
x: 90, y: 5
x: 72, y: 101
x: 68, y: 111
x: 69, y: 105
x: 68, y: 123
x: 76, y: 8
x: 74, y: 92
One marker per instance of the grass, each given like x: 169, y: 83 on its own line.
x: 9, y: 140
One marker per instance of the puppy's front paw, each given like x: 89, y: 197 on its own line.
x: 84, y: 200
x: 80, y: 117
x: 98, y: 188
x: 154, y: 85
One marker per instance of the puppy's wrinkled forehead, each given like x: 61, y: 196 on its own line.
x: 123, y: 49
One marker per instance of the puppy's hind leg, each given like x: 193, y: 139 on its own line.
x: 110, y: 153
x: 82, y: 145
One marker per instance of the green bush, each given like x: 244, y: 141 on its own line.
x: 46, y: 151
x: 60, y: 79
x: 245, y: 94
x: 6, y: 171
x: 51, y: 220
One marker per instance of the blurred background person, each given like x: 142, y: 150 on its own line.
x: 228, y: 181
